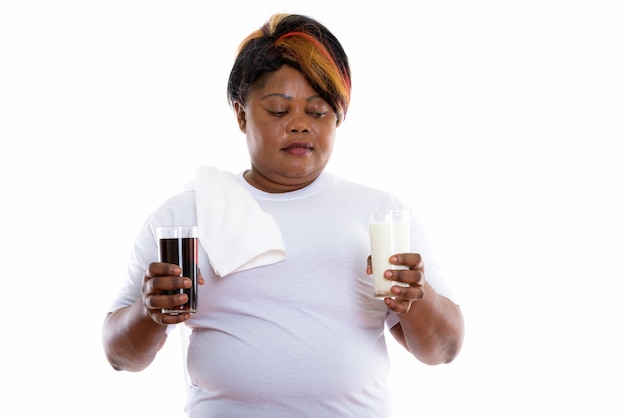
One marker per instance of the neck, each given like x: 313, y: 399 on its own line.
x: 258, y: 181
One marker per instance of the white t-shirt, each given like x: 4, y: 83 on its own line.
x: 300, y: 338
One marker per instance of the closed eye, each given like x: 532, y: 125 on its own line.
x: 317, y: 114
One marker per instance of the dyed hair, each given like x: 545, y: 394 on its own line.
x: 301, y: 43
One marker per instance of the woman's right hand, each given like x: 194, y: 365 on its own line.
x: 157, y: 281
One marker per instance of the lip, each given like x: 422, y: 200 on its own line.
x: 298, y: 148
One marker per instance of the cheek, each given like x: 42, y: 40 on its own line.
x: 252, y: 142
x: 329, y: 137
x: 261, y: 129
x: 258, y: 137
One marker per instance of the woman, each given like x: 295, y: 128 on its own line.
x: 303, y: 335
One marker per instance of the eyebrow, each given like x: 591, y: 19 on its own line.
x: 284, y: 96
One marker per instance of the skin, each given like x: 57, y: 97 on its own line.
x: 431, y: 326
x: 132, y: 336
x: 290, y: 133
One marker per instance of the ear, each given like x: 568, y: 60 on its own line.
x: 240, y: 112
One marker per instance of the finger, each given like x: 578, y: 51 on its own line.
x: 158, y: 285
x: 160, y: 301
x: 163, y: 269
x: 174, y: 319
x: 410, y: 277
x: 413, y: 292
x: 421, y: 278
x: 399, y: 306
x: 168, y: 319
x: 168, y: 283
x: 412, y: 260
x: 419, y: 292
x: 401, y: 292
x: 368, y: 269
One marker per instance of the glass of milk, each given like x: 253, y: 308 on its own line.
x: 389, y: 235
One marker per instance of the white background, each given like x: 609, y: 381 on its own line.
x: 501, y: 122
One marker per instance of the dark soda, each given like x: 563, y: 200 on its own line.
x: 184, y: 253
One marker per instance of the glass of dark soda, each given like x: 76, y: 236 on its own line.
x: 179, y: 245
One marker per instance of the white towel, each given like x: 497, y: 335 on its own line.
x: 233, y: 229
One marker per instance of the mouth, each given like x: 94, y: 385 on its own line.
x: 298, y: 148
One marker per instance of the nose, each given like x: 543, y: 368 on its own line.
x: 298, y: 123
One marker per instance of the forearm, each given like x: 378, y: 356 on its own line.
x: 433, y: 329
x: 131, y: 339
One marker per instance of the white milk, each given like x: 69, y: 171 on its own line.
x: 387, y: 239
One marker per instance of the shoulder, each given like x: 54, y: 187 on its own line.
x: 178, y: 209
x: 180, y: 199
x: 373, y: 196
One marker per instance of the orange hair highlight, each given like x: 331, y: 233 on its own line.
x: 317, y: 63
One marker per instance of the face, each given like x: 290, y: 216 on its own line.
x: 290, y: 131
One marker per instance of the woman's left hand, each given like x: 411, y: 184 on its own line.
x: 413, y: 277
